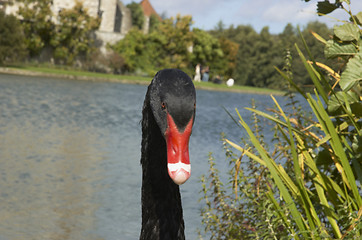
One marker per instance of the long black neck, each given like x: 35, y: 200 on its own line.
x: 161, y: 200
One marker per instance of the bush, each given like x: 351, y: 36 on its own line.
x: 12, y: 47
x: 308, y: 185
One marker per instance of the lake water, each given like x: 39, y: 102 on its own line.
x: 70, y: 156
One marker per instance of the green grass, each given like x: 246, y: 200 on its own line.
x: 236, y: 88
x: 93, y: 76
x: 80, y: 73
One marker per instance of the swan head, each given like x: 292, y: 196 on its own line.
x: 173, y: 104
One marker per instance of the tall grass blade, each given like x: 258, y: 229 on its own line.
x: 297, y: 216
x: 315, y: 78
x: 337, y: 146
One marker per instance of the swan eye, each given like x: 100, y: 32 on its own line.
x: 163, y: 106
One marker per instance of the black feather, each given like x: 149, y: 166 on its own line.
x: 162, y: 216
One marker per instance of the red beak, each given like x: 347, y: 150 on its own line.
x: 178, y: 160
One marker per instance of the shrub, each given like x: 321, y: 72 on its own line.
x: 307, y: 186
x: 12, y: 47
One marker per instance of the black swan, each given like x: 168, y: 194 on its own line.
x: 168, y: 116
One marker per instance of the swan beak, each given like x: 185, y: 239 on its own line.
x: 178, y: 160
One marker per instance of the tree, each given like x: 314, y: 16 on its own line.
x: 37, y: 24
x: 207, y: 51
x: 178, y: 40
x: 172, y: 44
x: 132, y: 48
x: 165, y: 47
x: 230, y: 50
x: 138, y: 18
x: 154, y: 22
x: 12, y: 47
x: 72, y: 36
x: 257, y: 55
x: 289, y: 37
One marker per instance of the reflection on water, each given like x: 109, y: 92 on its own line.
x: 60, y: 158
x: 48, y: 181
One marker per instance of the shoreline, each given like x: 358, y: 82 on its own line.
x: 25, y: 72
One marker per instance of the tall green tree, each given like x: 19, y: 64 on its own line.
x: 207, y: 51
x: 290, y: 36
x: 12, y: 47
x: 257, y: 55
x: 230, y: 50
x: 154, y: 22
x: 178, y: 40
x: 134, y: 51
x: 37, y: 24
x: 137, y: 15
x: 72, y: 36
x: 171, y: 44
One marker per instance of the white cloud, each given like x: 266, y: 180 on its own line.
x: 290, y: 11
x: 258, y: 13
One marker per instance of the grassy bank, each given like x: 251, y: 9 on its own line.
x: 131, y: 79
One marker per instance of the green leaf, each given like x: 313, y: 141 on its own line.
x: 310, y: 212
x: 359, y: 18
x: 314, y: 75
x: 337, y: 146
x: 290, y: 80
x: 323, y: 158
x: 321, y: 186
x: 326, y: 7
x: 337, y: 100
x: 347, y: 32
x: 246, y: 152
x: 353, y: 73
x: 318, y: 37
x: 334, y: 49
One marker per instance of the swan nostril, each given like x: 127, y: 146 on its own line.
x: 163, y: 106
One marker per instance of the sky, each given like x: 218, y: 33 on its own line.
x: 258, y: 13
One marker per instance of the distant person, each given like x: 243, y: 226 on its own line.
x: 205, y: 74
x: 197, y: 73
x: 217, y: 79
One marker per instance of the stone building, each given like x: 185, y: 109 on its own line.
x: 148, y: 10
x: 115, y: 17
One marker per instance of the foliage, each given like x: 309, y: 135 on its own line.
x: 207, y: 51
x: 238, y: 52
x: 241, y: 211
x: 115, y: 62
x: 37, y: 24
x: 309, y: 184
x: 69, y: 35
x: 176, y: 38
x: 72, y: 36
x: 258, y: 53
x: 168, y: 46
x: 230, y: 50
x: 132, y: 49
x: 12, y: 47
x: 138, y: 18
x: 154, y: 22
